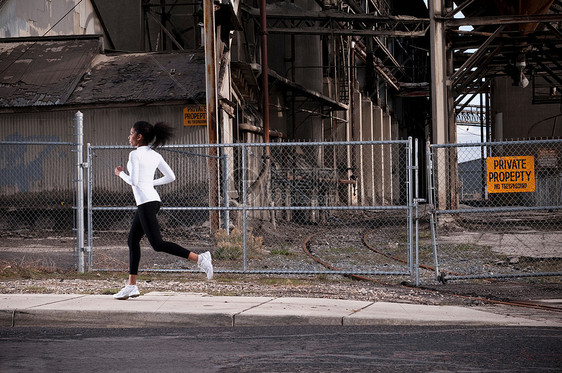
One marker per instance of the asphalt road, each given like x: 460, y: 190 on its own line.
x: 283, y: 349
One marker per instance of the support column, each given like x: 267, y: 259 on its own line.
x: 367, y: 171
x: 387, y: 154
x: 378, y: 155
x: 357, y: 161
x: 439, y: 112
x: 212, y: 104
x: 438, y: 74
x: 396, y: 157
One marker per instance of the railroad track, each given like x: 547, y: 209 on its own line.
x: 307, y: 250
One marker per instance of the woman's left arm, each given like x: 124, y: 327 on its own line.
x: 167, y: 171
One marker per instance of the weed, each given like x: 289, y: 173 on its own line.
x: 37, y: 289
x: 109, y: 291
x: 281, y: 281
x: 282, y: 252
x: 231, y: 246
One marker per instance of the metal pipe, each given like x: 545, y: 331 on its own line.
x: 409, y: 176
x: 274, y: 144
x: 90, y: 239
x: 416, y: 201
x: 79, y: 132
x: 244, y: 206
x: 433, y: 216
x: 263, y: 208
x: 264, y: 72
x: 225, y: 177
x: 212, y: 105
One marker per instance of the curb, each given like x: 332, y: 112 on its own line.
x: 200, y: 310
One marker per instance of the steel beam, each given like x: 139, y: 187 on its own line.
x: 475, y: 57
x: 500, y: 20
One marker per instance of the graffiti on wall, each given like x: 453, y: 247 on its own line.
x: 22, y: 165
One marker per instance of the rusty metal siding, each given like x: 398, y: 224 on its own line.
x: 111, y: 127
x: 55, y: 165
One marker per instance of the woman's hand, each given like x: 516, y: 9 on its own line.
x: 118, y: 170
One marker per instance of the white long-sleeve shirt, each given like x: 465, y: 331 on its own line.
x: 142, y: 166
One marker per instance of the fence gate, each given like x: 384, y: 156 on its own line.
x: 498, y: 208
x: 295, y: 208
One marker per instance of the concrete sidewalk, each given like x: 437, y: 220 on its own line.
x: 189, y: 310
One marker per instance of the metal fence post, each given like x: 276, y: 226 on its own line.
x: 89, y: 203
x: 431, y: 202
x: 417, y: 200
x: 79, y: 132
x: 244, y: 206
x: 225, y: 177
x: 409, y: 176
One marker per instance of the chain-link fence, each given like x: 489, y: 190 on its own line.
x: 283, y: 208
x: 297, y: 207
x: 498, y: 209
x: 37, y: 199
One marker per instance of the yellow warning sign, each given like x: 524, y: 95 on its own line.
x: 195, y: 115
x: 510, y: 174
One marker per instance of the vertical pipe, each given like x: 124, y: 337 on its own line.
x: 79, y: 132
x: 410, y: 206
x: 163, y: 22
x: 90, y: 239
x: 416, y: 201
x: 265, y: 97
x: 225, y: 177
x: 430, y: 201
x: 143, y: 24
x: 483, y: 189
x: 211, y: 89
x: 244, y: 205
x: 264, y: 73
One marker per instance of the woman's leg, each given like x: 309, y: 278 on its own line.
x: 151, y: 227
x: 135, y: 235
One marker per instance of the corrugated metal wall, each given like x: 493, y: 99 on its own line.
x: 102, y: 126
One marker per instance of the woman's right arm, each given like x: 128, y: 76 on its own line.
x: 129, y: 179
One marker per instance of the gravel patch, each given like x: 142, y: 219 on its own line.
x: 333, y: 288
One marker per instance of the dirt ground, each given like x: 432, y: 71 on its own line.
x: 26, y: 269
x: 32, y: 262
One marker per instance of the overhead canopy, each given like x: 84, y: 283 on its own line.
x: 519, y: 39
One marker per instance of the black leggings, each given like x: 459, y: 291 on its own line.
x: 145, y: 223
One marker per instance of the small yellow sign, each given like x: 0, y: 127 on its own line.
x: 195, y: 115
x: 510, y: 174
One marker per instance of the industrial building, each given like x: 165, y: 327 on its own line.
x: 312, y: 70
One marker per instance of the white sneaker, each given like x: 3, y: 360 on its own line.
x: 129, y: 291
x: 205, y: 263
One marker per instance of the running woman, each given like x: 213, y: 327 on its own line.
x: 142, y: 165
